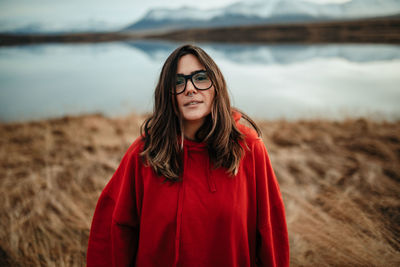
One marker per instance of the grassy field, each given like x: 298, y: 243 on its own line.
x: 340, y: 182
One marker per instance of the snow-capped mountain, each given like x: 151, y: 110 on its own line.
x: 257, y: 12
x: 183, y: 13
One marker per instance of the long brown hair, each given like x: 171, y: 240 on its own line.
x: 161, y: 131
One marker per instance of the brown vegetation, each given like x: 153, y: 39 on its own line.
x: 7, y: 39
x: 339, y: 179
x: 376, y: 30
x: 382, y: 30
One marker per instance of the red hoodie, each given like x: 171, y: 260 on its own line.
x: 208, y: 219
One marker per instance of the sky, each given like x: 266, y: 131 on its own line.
x: 113, y: 14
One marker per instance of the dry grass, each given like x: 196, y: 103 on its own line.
x: 340, y: 183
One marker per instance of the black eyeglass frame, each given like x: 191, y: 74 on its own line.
x: 190, y: 76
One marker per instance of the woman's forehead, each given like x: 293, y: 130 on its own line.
x: 188, y: 64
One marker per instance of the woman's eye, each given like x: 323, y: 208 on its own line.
x: 180, y: 80
x: 201, y: 77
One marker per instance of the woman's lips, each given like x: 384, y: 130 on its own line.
x: 193, y: 103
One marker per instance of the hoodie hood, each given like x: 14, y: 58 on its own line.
x: 236, y: 116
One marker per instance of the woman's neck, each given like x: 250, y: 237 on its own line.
x: 190, y: 128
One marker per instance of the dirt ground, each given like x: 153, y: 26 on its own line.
x: 339, y: 179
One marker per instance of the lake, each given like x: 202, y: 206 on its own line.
x: 266, y: 81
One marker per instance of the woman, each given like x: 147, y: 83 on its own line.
x: 197, y: 188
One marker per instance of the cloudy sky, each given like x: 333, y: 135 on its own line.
x: 112, y: 14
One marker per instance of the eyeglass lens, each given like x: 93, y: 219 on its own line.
x: 200, y: 80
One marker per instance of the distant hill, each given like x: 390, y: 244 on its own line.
x: 262, y: 12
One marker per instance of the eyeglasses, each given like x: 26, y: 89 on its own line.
x: 199, y: 79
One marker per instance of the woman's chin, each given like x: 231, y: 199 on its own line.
x: 194, y: 117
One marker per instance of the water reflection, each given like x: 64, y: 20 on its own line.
x: 279, y: 54
x: 267, y: 81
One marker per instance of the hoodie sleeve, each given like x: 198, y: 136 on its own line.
x: 114, y: 232
x: 272, y: 236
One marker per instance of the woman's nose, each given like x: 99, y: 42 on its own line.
x: 190, y: 87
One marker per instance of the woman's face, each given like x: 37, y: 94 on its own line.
x: 194, y: 105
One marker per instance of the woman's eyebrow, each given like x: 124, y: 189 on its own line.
x: 191, y: 72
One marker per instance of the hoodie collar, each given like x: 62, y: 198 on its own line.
x: 190, y: 144
x: 193, y: 145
